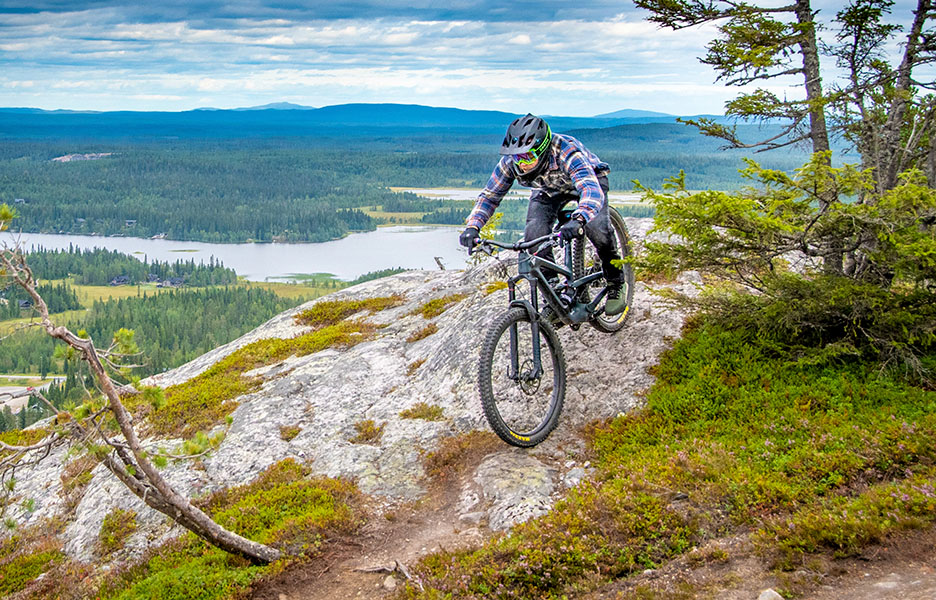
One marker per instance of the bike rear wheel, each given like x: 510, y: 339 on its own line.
x: 521, y: 408
x: 585, y: 261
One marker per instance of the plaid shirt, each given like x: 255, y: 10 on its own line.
x: 572, y: 169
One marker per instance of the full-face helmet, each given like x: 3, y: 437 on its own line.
x: 528, y: 141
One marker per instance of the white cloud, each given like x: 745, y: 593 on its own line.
x: 177, y: 63
x: 210, y: 84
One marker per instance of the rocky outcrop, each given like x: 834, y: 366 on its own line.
x: 325, y: 394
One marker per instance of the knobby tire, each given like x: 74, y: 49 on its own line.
x: 521, y: 414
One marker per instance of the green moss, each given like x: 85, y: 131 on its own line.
x: 423, y: 333
x: 423, y: 411
x: 117, y: 526
x: 368, y: 432
x: 21, y: 437
x: 329, y: 312
x: 283, y: 507
x: 436, y: 307
x: 494, y: 286
x: 17, y: 571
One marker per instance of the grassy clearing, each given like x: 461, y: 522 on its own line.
x: 284, y: 507
x: 23, y: 381
x: 313, y: 287
x: 812, y: 458
x: 395, y: 218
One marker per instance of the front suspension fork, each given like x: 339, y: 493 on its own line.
x: 533, y: 312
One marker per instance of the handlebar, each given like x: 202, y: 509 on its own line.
x: 484, y: 245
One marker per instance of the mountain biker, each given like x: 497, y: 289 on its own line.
x: 559, y: 168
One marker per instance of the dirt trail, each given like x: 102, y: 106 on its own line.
x: 374, y: 565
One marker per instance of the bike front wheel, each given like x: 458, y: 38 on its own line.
x: 521, y: 403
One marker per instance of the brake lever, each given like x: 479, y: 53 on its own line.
x: 554, y: 242
x: 481, y: 247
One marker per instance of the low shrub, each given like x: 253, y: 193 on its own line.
x: 452, y: 454
x: 117, y: 526
x: 755, y: 437
x: 414, y: 366
x: 368, y: 432
x: 21, y: 568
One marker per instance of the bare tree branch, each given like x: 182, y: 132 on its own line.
x: 134, y: 468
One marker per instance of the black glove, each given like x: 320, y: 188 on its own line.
x: 469, y: 238
x: 572, y: 229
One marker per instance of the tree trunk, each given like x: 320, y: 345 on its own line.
x: 893, y: 162
x: 809, y: 47
x: 150, y: 486
x: 833, y: 254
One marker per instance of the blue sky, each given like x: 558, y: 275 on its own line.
x: 547, y: 57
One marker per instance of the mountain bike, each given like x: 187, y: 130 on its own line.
x: 521, y: 371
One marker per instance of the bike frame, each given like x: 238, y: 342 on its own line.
x: 533, y: 269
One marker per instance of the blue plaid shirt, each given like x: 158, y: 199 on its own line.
x: 572, y: 169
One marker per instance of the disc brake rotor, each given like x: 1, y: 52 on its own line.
x: 527, y: 385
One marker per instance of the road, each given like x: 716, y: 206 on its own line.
x: 16, y: 396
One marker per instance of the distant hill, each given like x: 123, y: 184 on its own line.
x: 278, y: 106
x: 286, y: 120
x: 629, y: 113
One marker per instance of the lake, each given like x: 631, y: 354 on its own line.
x: 408, y: 247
